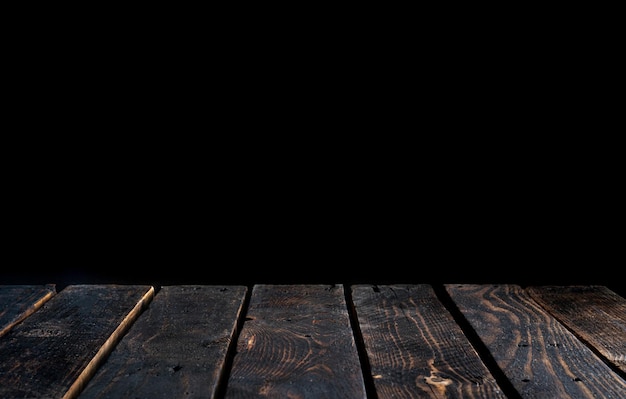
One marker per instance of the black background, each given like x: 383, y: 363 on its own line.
x: 362, y: 210
x: 331, y: 148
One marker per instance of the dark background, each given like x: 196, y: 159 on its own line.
x: 362, y: 210
x: 331, y: 147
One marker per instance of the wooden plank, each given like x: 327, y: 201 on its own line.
x: 297, y: 342
x: 415, y: 348
x: 17, y: 302
x: 593, y: 313
x: 56, y: 350
x: 539, y: 356
x: 176, y: 349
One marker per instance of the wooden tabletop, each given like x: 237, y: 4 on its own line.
x: 312, y: 341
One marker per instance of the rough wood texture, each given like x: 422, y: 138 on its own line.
x: 17, y: 302
x: 177, y: 348
x: 312, y: 341
x: 594, y: 313
x: 540, y: 357
x: 415, y: 348
x: 296, y: 342
x: 54, y: 352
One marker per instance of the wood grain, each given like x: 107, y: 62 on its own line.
x: 177, y: 348
x: 296, y: 342
x: 52, y: 353
x: 540, y: 357
x: 415, y: 348
x: 17, y: 302
x: 594, y: 313
x: 312, y: 341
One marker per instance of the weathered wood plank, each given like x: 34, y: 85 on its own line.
x: 415, y: 348
x: 17, y: 302
x: 176, y: 349
x: 594, y: 313
x: 297, y: 342
x: 52, y: 353
x: 540, y: 357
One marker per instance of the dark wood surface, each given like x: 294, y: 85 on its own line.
x: 539, y: 356
x: 312, y: 341
x: 595, y: 314
x: 56, y: 350
x: 21, y: 301
x: 296, y: 341
x: 179, y: 345
x: 414, y: 346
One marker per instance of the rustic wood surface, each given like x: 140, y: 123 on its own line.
x: 415, y: 347
x: 312, y: 341
x: 296, y: 342
x: 179, y: 345
x: 55, y: 351
x: 593, y: 313
x: 17, y: 302
x: 539, y: 356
